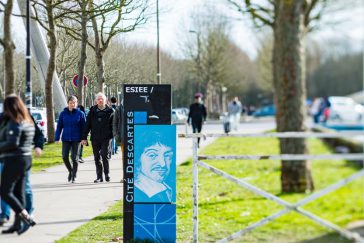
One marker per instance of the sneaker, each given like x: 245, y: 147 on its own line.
x: 107, y: 178
x: 98, y: 180
x: 80, y: 160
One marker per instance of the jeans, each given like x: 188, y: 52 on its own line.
x: 102, y: 151
x: 196, y: 128
x: 81, y: 152
x: 114, y: 146
x: 5, y: 208
x: 28, y: 194
x: 74, y: 148
x: 13, y: 181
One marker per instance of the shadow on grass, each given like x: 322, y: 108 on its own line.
x: 357, y: 164
x: 335, y: 237
x: 186, y: 163
x: 140, y: 241
x: 40, y: 166
x: 280, y: 194
x: 332, y: 238
x: 230, y: 201
x: 109, y: 217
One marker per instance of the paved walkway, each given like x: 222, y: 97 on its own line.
x: 61, y: 207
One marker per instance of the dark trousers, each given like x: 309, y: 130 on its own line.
x: 80, y: 151
x: 196, y: 128
x: 13, y: 181
x: 102, y: 149
x: 66, y: 148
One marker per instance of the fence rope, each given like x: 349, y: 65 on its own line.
x: 288, y: 206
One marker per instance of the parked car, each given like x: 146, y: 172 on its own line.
x: 40, y: 117
x: 267, y: 110
x: 344, y: 111
x: 179, y: 115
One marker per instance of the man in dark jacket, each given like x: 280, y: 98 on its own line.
x: 99, y: 122
x: 118, y: 125
x: 114, y: 146
x: 197, y: 115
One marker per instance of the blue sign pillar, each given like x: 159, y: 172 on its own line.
x: 149, y: 164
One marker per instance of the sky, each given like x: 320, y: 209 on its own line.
x: 347, y: 26
x: 175, y: 22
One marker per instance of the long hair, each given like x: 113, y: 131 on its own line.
x: 15, y: 109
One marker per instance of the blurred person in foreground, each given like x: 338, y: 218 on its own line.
x: 5, y: 208
x: 16, y: 138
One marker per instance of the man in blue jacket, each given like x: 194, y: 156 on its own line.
x: 71, y: 124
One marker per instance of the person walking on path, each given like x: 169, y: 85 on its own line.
x: 315, y: 110
x: 99, y: 122
x: 80, y: 153
x: 197, y: 115
x: 117, y: 126
x: 234, y: 111
x: 38, y: 147
x: 114, y: 146
x: 16, y: 138
x: 71, y: 124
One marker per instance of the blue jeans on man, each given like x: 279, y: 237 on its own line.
x: 114, y: 147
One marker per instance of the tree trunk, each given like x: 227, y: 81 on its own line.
x: 50, y: 72
x: 289, y: 84
x: 8, y: 50
x: 99, y: 55
x: 83, y: 55
x: 100, y: 70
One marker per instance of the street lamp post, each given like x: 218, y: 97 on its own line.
x: 28, y: 91
x: 198, y: 59
x: 159, y: 81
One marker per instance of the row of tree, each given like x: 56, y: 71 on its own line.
x: 213, y: 64
x: 92, y: 23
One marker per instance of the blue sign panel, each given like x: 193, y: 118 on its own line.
x: 156, y: 222
x: 149, y: 160
x: 155, y: 163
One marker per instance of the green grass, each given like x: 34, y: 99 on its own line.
x: 52, y: 155
x: 225, y: 208
x: 106, y: 227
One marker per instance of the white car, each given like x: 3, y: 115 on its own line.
x: 40, y: 117
x: 345, y: 111
x: 179, y: 115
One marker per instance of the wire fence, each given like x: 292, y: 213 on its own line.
x: 293, y: 157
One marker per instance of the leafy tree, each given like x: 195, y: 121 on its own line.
x: 108, y: 20
x: 340, y: 76
x: 47, y: 14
